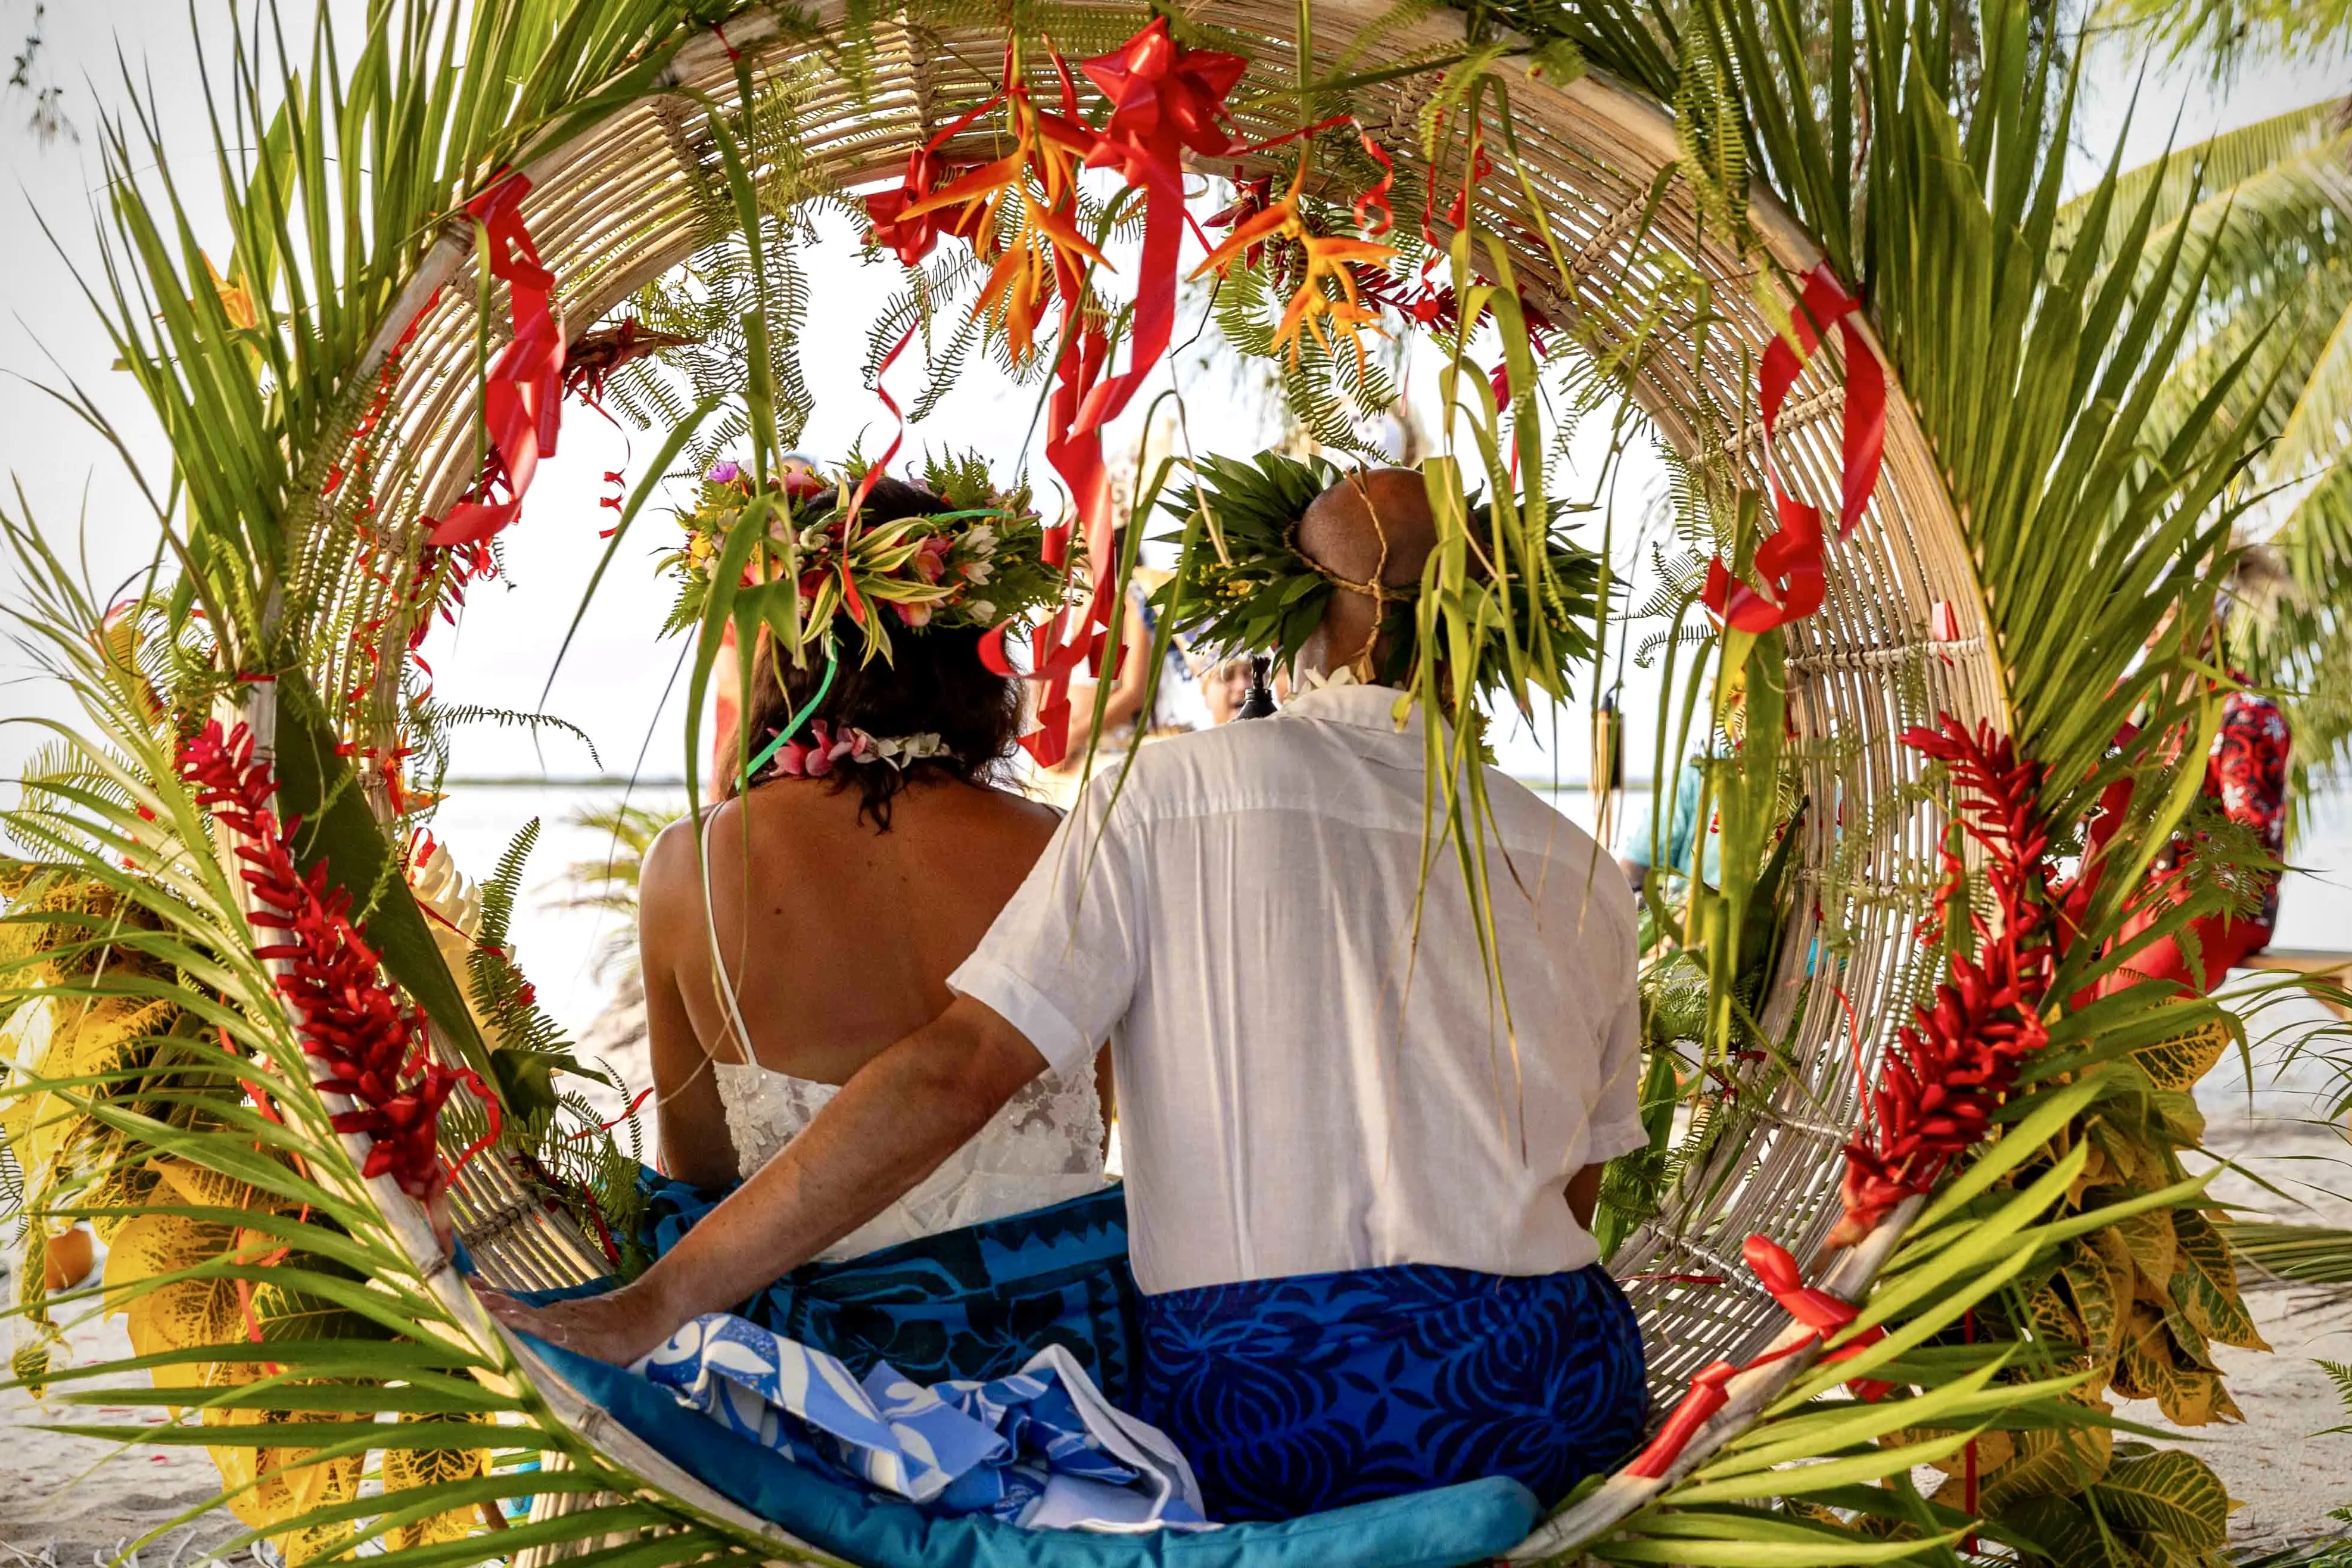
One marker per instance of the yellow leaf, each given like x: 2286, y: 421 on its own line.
x: 2148, y: 1238
x: 185, y: 1313
x: 2047, y: 1463
x: 2176, y: 1110
x: 2116, y: 1260
x: 2089, y: 1283
x: 2178, y: 1063
x: 2170, y: 1492
x: 236, y: 300
x: 2053, y: 1318
x: 2155, y: 1365
x: 405, y: 1468
x: 2205, y: 1284
x: 2144, y: 1362
x: 2097, y: 1172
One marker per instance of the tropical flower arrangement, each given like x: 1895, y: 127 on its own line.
x: 979, y: 564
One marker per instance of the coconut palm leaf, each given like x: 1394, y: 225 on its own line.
x: 2307, y: 1254
x: 2269, y: 208
x: 2201, y: 176
x: 2035, y: 386
x: 266, y: 1285
x: 2229, y: 31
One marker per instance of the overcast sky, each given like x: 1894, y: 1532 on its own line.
x: 613, y: 684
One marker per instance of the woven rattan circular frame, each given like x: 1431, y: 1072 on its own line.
x: 1899, y: 640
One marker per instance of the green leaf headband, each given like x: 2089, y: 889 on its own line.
x: 1245, y: 587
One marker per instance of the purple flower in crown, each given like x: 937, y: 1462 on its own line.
x: 724, y: 473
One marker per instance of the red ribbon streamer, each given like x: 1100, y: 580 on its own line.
x: 872, y: 471
x: 1819, y: 1311
x: 1790, y: 563
x: 522, y: 397
x: 627, y: 1111
x: 1164, y: 99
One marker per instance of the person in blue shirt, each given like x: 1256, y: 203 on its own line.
x: 1647, y: 845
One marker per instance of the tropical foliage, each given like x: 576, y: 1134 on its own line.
x: 160, y: 1088
x: 2269, y: 207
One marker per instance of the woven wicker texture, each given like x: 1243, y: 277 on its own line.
x: 615, y: 208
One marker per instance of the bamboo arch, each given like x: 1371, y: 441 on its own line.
x: 1900, y: 638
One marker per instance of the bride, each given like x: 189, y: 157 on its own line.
x: 863, y: 863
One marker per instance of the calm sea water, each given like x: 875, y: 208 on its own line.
x: 557, y: 946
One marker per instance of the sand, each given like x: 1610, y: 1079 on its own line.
x: 71, y: 1498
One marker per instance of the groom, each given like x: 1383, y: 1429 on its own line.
x: 1360, y: 1174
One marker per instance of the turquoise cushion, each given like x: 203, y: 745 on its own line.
x: 1439, y: 1529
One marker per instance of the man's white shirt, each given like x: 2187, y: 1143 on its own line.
x: 1305, y: 1085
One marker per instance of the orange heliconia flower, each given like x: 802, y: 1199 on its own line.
x: 1038, y: 181
x: 1327, y: 301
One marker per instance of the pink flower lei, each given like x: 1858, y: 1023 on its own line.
x: 823, y: 748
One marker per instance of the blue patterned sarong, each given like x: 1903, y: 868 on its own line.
x: 975, y: 1304
x: 1290, y: 1397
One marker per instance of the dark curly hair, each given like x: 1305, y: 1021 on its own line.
x: 933, y: 683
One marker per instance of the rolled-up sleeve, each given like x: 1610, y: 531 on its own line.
x: 1061, y: 960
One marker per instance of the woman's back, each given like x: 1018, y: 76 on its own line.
x: 865, y: 851
x: 839, y: 938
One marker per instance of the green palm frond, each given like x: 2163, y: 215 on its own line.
x: 2307, y: 1254
x: 2035, y: 386
x: 2268, y: 212
x: 2229, y: 31
x: 2190, y: 177
x: 2096, y: 496
x: 259, y: 1262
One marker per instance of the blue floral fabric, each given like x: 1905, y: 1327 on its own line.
x: 1321, y: 1391
x: 975, y: 1304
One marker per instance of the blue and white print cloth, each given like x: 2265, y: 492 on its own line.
x: 1321, y: 1391
x: 1041, y: 1447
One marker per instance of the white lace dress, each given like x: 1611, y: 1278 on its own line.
x: 1045, y: 1147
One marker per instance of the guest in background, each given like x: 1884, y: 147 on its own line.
x: 1224, y: 686
x: 1679, y: 846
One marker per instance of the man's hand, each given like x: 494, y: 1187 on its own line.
x: 618, y: 1327
x: 892, y: 1123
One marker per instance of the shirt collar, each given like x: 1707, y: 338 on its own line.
x: 1362, y: 706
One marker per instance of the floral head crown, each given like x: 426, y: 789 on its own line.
x: 1248, y: 588
x: 977, y: 562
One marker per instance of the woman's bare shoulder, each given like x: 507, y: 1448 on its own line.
x: 1025, y: 811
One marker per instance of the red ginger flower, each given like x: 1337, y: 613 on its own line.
x: 1955, y: 1063
x: 368, y: 1045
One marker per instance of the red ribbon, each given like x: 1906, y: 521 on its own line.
x: 1710, y: 1391
x: 522, y: 397
x: 1790, y: 563
x: 1164, y: 99
x: 874, y: 470
x: 628, y: 1110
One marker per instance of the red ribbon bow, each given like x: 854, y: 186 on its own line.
x: 1791, y: 563
x: 1164, y: 99
x: 522, y: 397
x: 1710, y: 1391
x: 1162, y: 95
